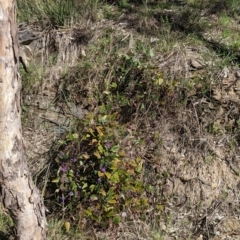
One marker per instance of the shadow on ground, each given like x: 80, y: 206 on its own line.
x: 5, y: 236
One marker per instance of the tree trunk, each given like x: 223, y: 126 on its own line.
x: 19, y: 194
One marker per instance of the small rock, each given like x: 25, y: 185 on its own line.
x: 196, y: 64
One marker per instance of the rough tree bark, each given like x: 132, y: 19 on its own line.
x: 19, y: 194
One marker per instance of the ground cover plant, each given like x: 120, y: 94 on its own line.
x: 156, y: 83
x: 95, y: 176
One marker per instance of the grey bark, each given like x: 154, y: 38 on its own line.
x: 19, y: 194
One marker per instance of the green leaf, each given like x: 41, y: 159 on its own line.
x: 158, y: 81
x: 100, y: 174
x: 106, y: 92
x: 71, y: 173
x: 151, y: 54
x: 160, y: 207
x: 102, y: 109
x: 130, y: 172
x: 67, y: 226
x: 116, y: 196
x: 133, y: 163
x: 108, y: 175
x: 138, y: 169
x: 74, y: 186
x: 138, y: 160
x: 94, y: 141
x: 112, y: 201
x: 75, y: 136
x: 88, y: 212
x: 100, y: 130
x: 56, y: 180
x: 115, y: 177
x: 92, y: 187
x: 100, y: 148
x: 97, y: 154
x: 102, y: 192
x: 62, y: 142
x: 115, y: 148
x: 111, y: 213
x: 115, y: 164
x: 102, y: 119
x: 71, y: 136
x: 144, y: 201
x: 116, y: 220
x: 127, y: 57
x: 113, y: 85
x: 91, y: 131
x: 85, y: 156
x: 93, y: 197
x: 165, y: 174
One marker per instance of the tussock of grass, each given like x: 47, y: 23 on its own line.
x: 56, y: 13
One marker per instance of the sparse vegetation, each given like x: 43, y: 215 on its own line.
x: 56, y: 13
x: 150, y: 102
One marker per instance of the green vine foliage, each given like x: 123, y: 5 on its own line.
x: 94, y: 173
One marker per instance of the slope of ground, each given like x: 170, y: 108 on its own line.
x: 170, y: 73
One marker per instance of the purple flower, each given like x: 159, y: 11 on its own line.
x: 108, y: 145
x: 99, y: 180
x: 62, y: 198
x: 70, y: 193
x: 103, y: 169
x: 73, y: 159
x: 90, y: 162
x: 64, y: 168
